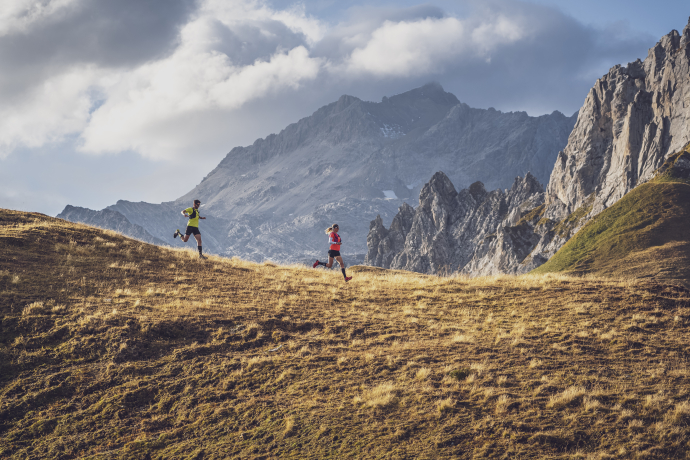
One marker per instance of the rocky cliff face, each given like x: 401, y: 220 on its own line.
x: 454, y: 231
x: 384, y: 244
x: 111, y: 220
x: 632, y: 120
x: 349, y: 162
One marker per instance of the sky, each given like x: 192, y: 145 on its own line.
x: 140, y: 99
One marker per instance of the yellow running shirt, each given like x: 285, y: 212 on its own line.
x: 193, y: 217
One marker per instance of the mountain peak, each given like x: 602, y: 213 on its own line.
x: 440, y: 181
x: 433, y: 86
x: 345, y: 100
x: 671, y: 41
x: 432, y: 91
x: 478, y: 191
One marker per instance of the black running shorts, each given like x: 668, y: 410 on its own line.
x: 192, y: 230
x: 333, y: 253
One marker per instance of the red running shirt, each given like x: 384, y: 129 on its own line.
x: 334, y: 239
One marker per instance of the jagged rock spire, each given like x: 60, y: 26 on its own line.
x: 442, y: 234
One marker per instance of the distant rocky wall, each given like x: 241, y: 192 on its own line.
x: 109, y: 219
x: 472, y: 231
x: 632, y: 120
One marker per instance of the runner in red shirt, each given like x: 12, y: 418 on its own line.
x: 334, y: 251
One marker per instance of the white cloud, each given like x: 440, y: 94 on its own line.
x: 21, y: 15
x: 183, y: 86
x: 228, y: 54
x: 255, y: 11
x: 409, y: 48
x: 499, y: 31
x: 146, y: 108
x: 424, y: 47
x: 57, y: 107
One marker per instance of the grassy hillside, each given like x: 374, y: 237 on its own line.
x: 112, y: 348
x: 643, y: 235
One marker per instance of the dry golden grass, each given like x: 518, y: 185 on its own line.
x: 112, y: 348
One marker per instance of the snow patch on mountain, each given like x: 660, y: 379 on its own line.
x: 392, y: 132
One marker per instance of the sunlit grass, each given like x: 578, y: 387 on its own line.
x: 113, y: 347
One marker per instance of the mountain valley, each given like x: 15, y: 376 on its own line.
x: 349, y: 162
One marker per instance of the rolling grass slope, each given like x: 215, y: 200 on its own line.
x: 644, y: 235
x: 113, y: 348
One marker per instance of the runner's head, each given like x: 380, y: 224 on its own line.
x: 197, y: 203
x: 332, y: 228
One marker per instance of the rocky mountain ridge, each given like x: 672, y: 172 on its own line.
x: 111, y: 220
x: 453, y: 231
x: 632, y: 120
x: 349, y: 162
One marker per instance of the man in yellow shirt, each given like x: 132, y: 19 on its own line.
x: 192, y: 226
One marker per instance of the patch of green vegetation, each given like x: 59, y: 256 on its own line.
x: 565, y: 226
x: 671, y: 171
x: 535, y: 213
x: 651, y: 215
x: 460, y: 374
x: 543, y: 221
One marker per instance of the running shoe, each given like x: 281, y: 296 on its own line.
x: 201, y: 256
x: 177, y: 232
x: 315, y: 264
x: 348, y: 278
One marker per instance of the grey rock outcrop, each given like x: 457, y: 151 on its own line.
x: 349, y: 162
x: 504, y: 251
x: 111, y: 220
x: 632, y: 120
x: 454, y: 231
x: 386, y: 244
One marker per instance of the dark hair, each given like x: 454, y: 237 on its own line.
x: 197, y: 201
